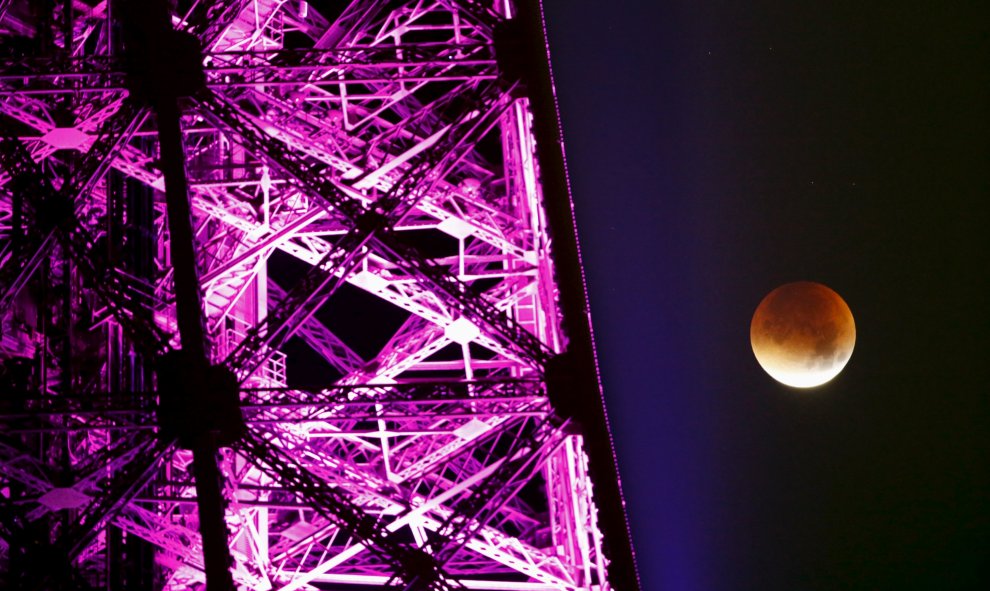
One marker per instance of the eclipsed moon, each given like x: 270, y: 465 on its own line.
x: 802, y: 334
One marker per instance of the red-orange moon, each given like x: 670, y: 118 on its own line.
x: 802, y: 334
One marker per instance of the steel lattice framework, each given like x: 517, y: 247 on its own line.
x: 372, y: 188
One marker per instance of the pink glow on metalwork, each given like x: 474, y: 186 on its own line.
x: 376, y: 296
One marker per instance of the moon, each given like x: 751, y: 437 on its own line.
x: 802, y: 334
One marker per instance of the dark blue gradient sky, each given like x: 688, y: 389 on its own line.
x: 719, y: 149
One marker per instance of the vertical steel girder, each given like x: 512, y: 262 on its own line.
x: 379, y: 160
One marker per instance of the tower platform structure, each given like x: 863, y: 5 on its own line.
x: 291, y: 299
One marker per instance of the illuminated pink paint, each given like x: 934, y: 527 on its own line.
x: 378, y: 147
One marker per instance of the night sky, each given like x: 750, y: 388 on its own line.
x: 719, y: 149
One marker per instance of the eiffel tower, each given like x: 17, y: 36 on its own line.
x: 291, y: 298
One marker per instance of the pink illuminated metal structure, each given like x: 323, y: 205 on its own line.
x: 291, y: 299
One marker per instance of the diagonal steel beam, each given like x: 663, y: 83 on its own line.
x: 322, y: 340
x: 449, y: 287
x: 208, y: 19
x: 353, y: 19
x: 414, y: 567
x: 525, y: 456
